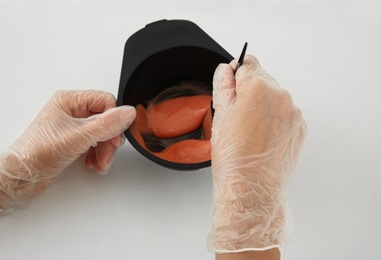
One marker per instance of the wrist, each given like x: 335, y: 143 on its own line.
x: 8, y: 181
x: 269, y: 254
x: 246, y: 216
x: 247, y: 230
x: 17, y: 182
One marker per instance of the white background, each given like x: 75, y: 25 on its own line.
x: 326, y: 53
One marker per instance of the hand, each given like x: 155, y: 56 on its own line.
x: 71, y: 124
x: 257, y: 136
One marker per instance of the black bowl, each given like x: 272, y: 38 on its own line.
x: 159, y: 55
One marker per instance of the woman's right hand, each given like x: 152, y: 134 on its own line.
x: 257, y: 136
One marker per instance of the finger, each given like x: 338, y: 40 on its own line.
x: 104, y: 152
x: 84, y: 103
x: 99, y: 101
x: 118, y: 140
x: 251, y: 75
x: 100, y: 157
x: 90, y: 158
x: 113, y: 122
x: 223, y: 86
x: 223, y: 92
x: 249, y: 65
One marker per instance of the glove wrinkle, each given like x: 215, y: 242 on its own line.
x: 69, y: 125
x: 257, y: 136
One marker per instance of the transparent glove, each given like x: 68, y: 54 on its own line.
x: 71, y: 124
x: 257, y: 135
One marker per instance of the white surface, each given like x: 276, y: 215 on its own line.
x: 327, y: 53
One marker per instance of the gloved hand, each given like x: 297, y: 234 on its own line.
x: 257, y: 135
x: 71, y: 124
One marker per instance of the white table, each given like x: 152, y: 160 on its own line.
x: 326, y: 53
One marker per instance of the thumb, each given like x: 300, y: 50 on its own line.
x: 223, y: 92
x: 113, y: 122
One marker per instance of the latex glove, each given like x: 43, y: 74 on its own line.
x: 71, y: 124
x: 257, y: 135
